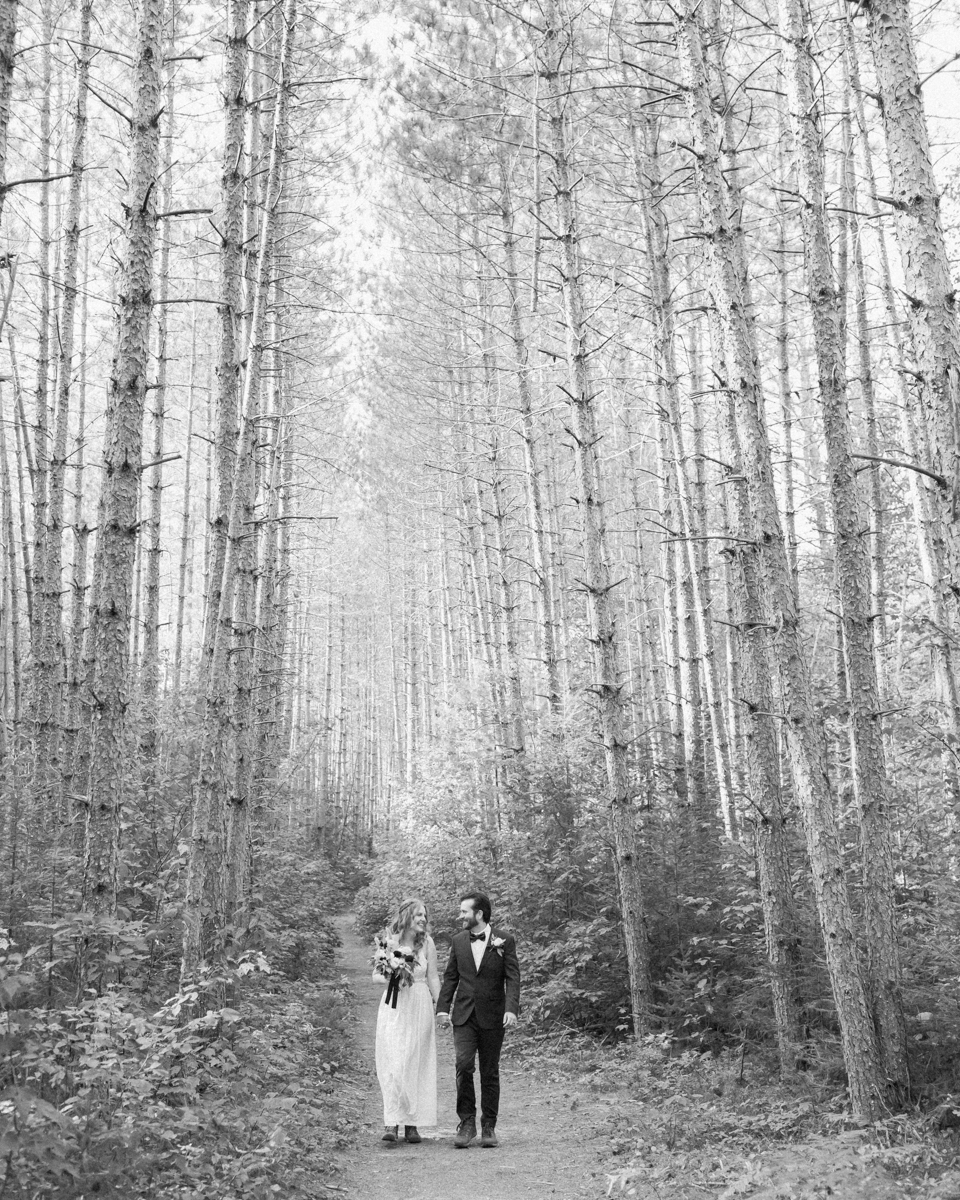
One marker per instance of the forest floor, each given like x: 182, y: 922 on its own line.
x: 579, y: 1123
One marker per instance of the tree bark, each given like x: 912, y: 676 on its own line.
x: 47, y: 626
x: 531, y: 452
x: 186, y: 516
x: 115, y: 551
x: 72, y: 233
x: 150, y: 682
x: 581, y: 394
x: 930, y: 291
x: 662, y: 311
x: 209, y: 817
x: 8, y: 59
x: 12, y: 634
x: 930, y: 534
x: 853, y: 560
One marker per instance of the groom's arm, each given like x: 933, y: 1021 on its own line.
x: 451, y: 977
x: 511, y: 967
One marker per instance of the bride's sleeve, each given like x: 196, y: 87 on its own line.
x: 433, y: 977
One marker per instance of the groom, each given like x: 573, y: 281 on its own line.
x: 484, y: 972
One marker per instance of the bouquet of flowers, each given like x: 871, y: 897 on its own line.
x: 395, y: 964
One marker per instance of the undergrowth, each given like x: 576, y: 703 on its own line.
x: 125, y: 1094
x: 687, y: 1123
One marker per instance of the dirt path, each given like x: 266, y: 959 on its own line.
x: 546, y: 1149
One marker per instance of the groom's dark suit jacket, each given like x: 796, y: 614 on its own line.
x: 489, y: 991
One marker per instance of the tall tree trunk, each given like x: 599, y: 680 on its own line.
x: 47, y: 674
x: 657, y: 243
x: 784, y: 330
x: 930, y: 290
x: 240, y: 567
x: 509, y: 604
x: 874, y: 491
x: 186, y: 515
x: 649, y: 619
x: 12, y: 634
x: 152, y: 552
x: 930, y: 532
x: 531, y: 452
x: 581, y: 392
x: 209, y: 818
x: 152, y: 542
x: 75, y: 753
x: 271, y: 598
x: 8, y: 58
x: 762, y: 753
x: 853, y: 562
x: 72, y: 233
x: 26, y: 470
x: 115, y: 552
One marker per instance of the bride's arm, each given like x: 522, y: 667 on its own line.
x: 375, y: 975
x: 433, y: 977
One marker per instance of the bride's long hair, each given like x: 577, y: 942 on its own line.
x: 403, y: 921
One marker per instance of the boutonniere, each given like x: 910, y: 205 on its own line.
x: 498, y: 943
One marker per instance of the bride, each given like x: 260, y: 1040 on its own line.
x: 406, y: 1050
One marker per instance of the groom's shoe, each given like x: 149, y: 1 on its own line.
x: 410, y: 1134
x: 487, y: 1135
x: 466, y: 1132
x: 389, y: 1133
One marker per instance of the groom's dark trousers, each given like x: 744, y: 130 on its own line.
x: 472, y: 1043
x: 483, y: 995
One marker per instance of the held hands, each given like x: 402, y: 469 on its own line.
x: 443, y: 1020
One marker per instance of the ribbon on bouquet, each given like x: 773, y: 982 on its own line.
x: 393, y: 990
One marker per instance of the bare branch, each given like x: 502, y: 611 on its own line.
x: 896, y: 462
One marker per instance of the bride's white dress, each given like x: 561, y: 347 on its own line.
x: 407, y: 1054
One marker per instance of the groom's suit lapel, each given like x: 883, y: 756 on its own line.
x: 468, y: 955
x: 486, y: 950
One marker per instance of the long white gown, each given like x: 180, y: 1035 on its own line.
x: 407, y: 1054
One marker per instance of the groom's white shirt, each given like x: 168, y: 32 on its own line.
x: 479, y: 947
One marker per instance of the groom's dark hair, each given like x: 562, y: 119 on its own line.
x: 480, y: 902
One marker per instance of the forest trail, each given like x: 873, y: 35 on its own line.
x: 545, y: 1148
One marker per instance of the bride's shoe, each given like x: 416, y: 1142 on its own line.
x: 410, y: 1133
x: 389, y: 1133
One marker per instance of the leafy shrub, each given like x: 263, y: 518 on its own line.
x: 575, y: 979
x: 293, y: 924
x: 100, y: 1097
x: 119, y: 1096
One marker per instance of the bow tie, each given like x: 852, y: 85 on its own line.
x: 478, y: 937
